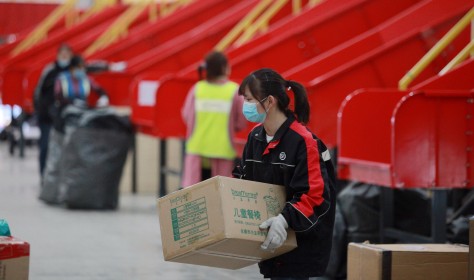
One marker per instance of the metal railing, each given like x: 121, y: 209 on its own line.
x: 39, y: 33
x: 261, y: 24
x: 119, y: 28
x: 257, y: 21
x: 68, y: 12
x: 242, y: 25
x: 98, y: 6
x: 452, y: 34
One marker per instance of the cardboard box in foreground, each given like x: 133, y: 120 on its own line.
x: 407, y: 261
x: 14, y: 258
x: 215, y: 223
x: 471, y: 248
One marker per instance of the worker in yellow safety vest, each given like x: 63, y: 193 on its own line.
x: 212, y: 113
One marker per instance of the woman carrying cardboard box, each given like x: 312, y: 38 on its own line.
x: 282, y: 150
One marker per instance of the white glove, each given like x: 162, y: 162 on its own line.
x: 276, y: 234
x: 118, y: 66
x: 103, y: 101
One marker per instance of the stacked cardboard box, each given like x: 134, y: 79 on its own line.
x: 14, y: 258
x: 471, y: 248
x: 215, y: 223
x: 407, y: 261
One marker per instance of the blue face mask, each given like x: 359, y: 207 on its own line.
x: 79, y: 74
x: 251, y: 113
x: 63, y: 63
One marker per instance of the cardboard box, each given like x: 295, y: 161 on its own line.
x: 215, y: 223
x: 14, y: 258
x: 471, y: 248
x: 407, y: 261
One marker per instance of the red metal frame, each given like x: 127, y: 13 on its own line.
x: 29, y: 13
x: 173, y: 55
x: 377, y: 58
x: 20, y: 73
x: 286, y: 36
x: 407, y: 139
x: 150, y: 36
x: 459, y: 78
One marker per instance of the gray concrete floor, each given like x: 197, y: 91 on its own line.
x: 77, y: 245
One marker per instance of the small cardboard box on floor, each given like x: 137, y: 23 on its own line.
x: 215, y: 223
x: 14, y: 258
x: 407, y: 261
x: 471, y: 248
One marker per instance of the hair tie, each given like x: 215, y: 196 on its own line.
x: 288, y: 85
x: 203, y: 65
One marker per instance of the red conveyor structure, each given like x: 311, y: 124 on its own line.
x: 299, y: 38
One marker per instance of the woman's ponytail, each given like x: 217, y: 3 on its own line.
x: 301, y: 101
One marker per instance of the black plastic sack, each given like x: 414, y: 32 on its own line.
x: 86, y: 159
x: 360, y: 207
x: 93, y: 163
x: 50, y: 184
x: 336, y: 268
x: 49, y: 192
x: 458, y: 230
x: 93, y: 160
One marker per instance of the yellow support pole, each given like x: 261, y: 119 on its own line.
x: 170, y: 8
x: 98, y: 6
x: 43, y: 28
x: 163, y: 8
x: 244, y: 23
x: 153, y: 13
x: 117, y: 29
x: 460, y: 57
x: 472, y: 36
x: 296, y: 7
x: 261, y: 23
x: 313, y: 3
x: 435, y: 51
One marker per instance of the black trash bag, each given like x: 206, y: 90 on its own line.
x: 360, y: 207
x: 337, y: 263
x: 413, y: 211
x: 50, y: 185
x: 458, y: 230
x: 107, y: 122
x: 49, y: 192
x: 94, y: 160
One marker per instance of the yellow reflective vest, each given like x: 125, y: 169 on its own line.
x: 210, y: 137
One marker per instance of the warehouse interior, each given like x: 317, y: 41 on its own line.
x: 391, y: 91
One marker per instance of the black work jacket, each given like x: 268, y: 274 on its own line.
x: 298, y: 160
x: 44, y: 93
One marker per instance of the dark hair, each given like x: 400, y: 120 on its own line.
x: 65, y: 47
x: 265, y: 82
x: 77, y: 61
x: 215, y: 65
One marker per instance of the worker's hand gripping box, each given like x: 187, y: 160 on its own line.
x: 14, y: 258
x: 216, y: 222
x: 407, y: 261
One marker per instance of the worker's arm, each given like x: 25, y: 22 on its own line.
x: 187, y: 112
x: 240, y: 123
